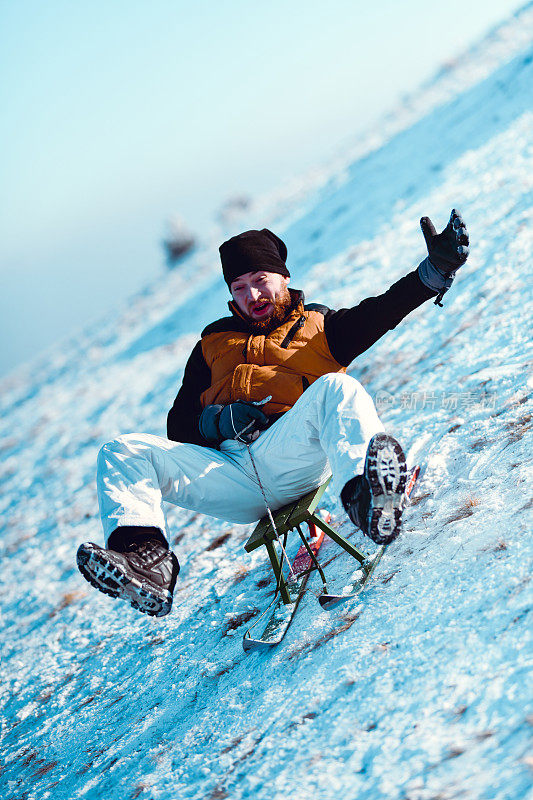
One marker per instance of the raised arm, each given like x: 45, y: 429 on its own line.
x: 351, y: 331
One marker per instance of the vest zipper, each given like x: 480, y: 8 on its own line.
x: 293, y: 331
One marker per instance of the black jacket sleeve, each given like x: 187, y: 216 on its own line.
x: 182, y: 420
x: 351, y: 331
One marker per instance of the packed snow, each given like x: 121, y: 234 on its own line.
x: 422, y: 687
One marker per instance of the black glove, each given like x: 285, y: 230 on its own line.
x: 447, y: 250
x: 239, y: 420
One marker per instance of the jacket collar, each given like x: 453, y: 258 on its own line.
x: 297, y: 297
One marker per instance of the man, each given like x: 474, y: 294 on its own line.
x: 265, y: 413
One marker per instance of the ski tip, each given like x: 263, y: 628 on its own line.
x: 329, y: 600
x: 249, y: 645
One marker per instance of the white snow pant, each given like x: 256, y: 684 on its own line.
x: 327, y: 431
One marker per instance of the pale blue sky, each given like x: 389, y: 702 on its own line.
x: 118, y: 114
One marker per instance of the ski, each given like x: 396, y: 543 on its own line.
x: 282, y: 613
x: 364, y: 572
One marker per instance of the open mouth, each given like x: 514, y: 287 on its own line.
x: 260, y: 308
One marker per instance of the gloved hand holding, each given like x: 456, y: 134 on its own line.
x: 447, y: 251
x: 239, y: 420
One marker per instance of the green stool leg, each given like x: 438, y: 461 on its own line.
x: 278, y: 572
x: 340, y: 540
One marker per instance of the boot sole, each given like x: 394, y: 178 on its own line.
x: 110, y: 579
x: 386, y: 473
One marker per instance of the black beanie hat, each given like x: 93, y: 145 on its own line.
x: 251, y: 251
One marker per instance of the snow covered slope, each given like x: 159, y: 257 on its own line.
x: 422, y: 690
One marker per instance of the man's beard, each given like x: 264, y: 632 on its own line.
x: 282, y: 306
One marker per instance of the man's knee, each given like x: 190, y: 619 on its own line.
x: 125, y: 444
x: 338, y: 382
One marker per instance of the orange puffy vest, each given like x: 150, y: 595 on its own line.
x: 283, y: 364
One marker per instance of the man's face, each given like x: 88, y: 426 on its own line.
x: 259, y: 294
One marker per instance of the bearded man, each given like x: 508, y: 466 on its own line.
x: 265, y: 397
